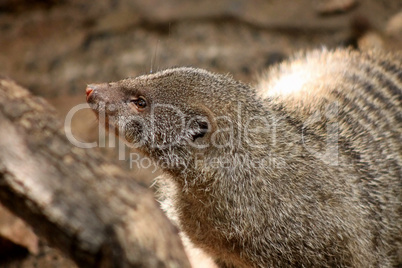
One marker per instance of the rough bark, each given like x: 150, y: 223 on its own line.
x: 88, y: 208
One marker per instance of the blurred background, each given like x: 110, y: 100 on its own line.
x: 55, y: 47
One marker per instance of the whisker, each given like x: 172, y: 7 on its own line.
x: 153, y: 59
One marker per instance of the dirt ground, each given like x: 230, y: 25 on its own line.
x: 55, y: 47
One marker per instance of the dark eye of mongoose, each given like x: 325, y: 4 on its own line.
x: 140, y: 103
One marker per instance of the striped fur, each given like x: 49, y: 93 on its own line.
x: 368, y: 91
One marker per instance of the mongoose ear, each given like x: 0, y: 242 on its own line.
x: 198, y: 127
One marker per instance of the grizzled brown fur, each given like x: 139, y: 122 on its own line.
x: 303, y: 170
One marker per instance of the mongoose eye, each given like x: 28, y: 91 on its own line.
x: 140, y: 102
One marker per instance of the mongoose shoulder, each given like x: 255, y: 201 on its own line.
x: 302, y: 170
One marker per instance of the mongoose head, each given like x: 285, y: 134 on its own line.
x: 172, y: 112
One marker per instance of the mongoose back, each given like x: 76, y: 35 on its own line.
x: 302, y: 170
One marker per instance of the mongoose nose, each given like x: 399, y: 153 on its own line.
x: 89, y: 91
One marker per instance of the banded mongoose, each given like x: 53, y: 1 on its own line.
x: 302, y: 170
